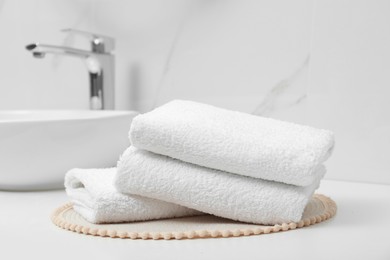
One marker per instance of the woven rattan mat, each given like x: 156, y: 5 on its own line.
x: 319, y: 208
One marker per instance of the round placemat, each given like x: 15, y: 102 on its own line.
x: 318, y: 209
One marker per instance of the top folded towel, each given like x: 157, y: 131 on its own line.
x: 234, y: 142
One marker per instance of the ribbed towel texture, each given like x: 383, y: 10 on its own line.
x: 212, y: 191
x: 234, y: 142
x: 95, y: 198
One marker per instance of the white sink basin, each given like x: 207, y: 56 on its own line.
x: 38, y: 147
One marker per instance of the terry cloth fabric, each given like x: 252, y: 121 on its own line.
x: 211, y: 191
x: 234, y: 142
x: 95, y: 199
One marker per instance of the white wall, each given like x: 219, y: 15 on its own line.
x: 246, y: 55
x: 235, y: 53
x: 350, y: 86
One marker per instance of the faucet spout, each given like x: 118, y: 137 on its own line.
x: 100, y: 65
x: 38, y: 48
x: 94, y: 61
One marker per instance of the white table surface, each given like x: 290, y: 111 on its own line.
x: 360, y: 230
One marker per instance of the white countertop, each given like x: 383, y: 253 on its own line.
x: 360, y: 230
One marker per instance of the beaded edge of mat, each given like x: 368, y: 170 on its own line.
x: 329, y: 205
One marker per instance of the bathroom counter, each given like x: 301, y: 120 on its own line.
x: 360, y: 230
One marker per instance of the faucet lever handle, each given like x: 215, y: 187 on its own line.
x: 99, y: 43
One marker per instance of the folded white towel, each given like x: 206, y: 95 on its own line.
x: 233, y: 141
x: 95, y: 198
x: 212, y: 191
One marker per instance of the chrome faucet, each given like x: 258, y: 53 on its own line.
x: 100, y: 64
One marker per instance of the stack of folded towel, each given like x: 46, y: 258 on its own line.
x: 186, y: 158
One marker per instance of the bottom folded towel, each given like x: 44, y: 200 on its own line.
x: 95, y: 199
x: 212, y: 191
